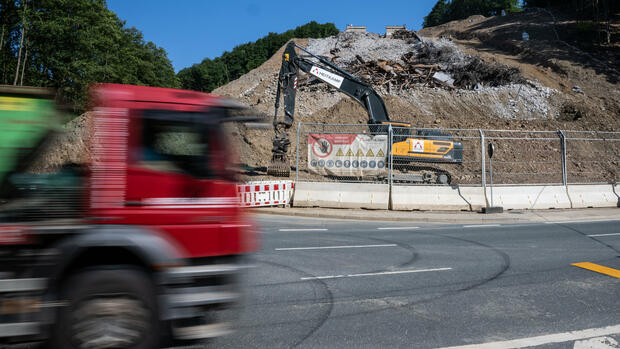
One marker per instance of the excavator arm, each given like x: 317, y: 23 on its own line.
x: 425, y: 146
x: 330, y: 74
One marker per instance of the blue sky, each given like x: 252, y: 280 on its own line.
x: 191, y: 30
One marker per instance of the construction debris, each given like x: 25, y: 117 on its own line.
x: 408, y: 35
x: 427, y: 63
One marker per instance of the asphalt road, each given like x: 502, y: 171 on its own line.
x: 354, y: 284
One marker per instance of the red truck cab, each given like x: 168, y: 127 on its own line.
x: 152, y: 254
x: 161, y: 159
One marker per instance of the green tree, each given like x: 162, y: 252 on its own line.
x: 437, y: 14
x: 445, y: 11
x: 69, y: 44
x: 212, y: 73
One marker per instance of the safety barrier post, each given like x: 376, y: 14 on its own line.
x: 297, y: 154
x: 390, y: 158
x: 483, y: 165
x: 563, y: 149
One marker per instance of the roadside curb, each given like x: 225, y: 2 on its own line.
x: 529, y: 216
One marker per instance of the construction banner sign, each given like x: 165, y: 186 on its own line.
x: 347, y: 155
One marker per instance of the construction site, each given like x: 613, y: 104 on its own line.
x: 498, y: 73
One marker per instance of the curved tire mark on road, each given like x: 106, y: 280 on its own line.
x: 329, y: 297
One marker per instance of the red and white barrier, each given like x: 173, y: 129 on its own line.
x: 265, y: 193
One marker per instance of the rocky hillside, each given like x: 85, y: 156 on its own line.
x: 469, y: 74
x: 496, y: 80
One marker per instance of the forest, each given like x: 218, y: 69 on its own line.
x: 599, y: 13
x: 212, y: 73
x: 67, y: 45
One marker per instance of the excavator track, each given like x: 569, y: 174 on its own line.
x: 420, y: 174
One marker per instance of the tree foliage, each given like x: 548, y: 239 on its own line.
x: 70, y: 44
x: 445, y: 11
x: 596, y: 15
x: 212, y: 73
x: 437, y: 14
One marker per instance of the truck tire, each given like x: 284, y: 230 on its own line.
x: 107, y: 308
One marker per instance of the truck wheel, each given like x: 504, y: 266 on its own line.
x: 108, y: 309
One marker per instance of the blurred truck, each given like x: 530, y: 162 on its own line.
x: 140, y: 248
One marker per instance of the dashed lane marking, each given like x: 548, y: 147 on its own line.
x: 542, y: 340
x: 304, y: 229
x: 397, y: 228
x: 332, y: 247
x: 481, y: 225
x: 599, y: 269
x: 610, y: 234
x: 374, y: 274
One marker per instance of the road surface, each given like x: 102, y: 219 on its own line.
x: 353, y: 284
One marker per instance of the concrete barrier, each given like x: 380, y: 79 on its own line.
x: 341, y: 195
x: 453, y: 198
x: 407, y: 198
x: 530, y: 197
x: 474, y: 197
x: 594, y: 195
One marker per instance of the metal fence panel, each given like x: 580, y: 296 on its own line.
x: 520, y: 157
x: 423, y: 156
x: 341, y: 153
x: 592, y: 156
x: 525, y: 157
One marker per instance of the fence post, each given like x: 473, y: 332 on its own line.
x: 563, y: 149
x: 390, y: 158
x: 483, y: 165
x: 297, y: 154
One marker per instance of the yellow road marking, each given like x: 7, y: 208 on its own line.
x: 599, y: 269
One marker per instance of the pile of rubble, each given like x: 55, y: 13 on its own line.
x: 395, y: 74
x: 429, y: 63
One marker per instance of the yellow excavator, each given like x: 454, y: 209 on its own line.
x: 409, y: 145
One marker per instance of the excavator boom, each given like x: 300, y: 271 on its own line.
x: 360, y: 91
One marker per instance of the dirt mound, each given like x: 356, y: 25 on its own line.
x: 528, y: 96
x: 68, y: 146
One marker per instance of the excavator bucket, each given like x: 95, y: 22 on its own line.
x: 279, y: 167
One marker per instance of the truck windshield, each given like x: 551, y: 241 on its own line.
x: 174, y: 141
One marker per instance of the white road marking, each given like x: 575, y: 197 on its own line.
x: 304, y: 229
x: 332, y: 247
x: 481, y: 225
x: 611, y: 234
x: 597, y: 343
x: 397, y: 228
x: 546, y: 339
x: 374, y: 274
x: 584, y: 221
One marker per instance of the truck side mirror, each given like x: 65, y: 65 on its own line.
x: 491, y: 149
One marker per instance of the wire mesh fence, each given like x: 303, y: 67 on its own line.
x: 524, y: 157
x: 435, y: 156
x: 422, y: 156
x: 341, y: 153
x: 592, y: 156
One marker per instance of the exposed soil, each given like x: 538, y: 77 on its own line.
x: 543, y: 83
x: 564, y: 89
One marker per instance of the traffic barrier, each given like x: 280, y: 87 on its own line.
x: 530, y: 197
x: 407, y: 198
x: 474, y: 196
x: 594, y: 195
x: 265, y: 193
x: 341, y: 195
